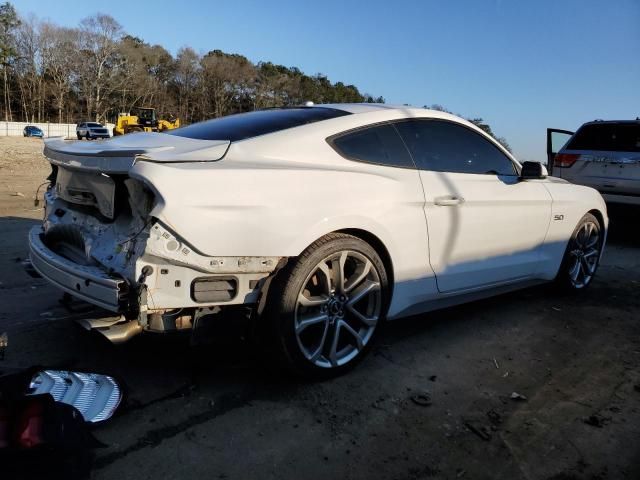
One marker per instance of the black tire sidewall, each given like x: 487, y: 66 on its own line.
x: 283, y: 300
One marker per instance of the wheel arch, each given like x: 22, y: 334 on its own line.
x: 364, y: 235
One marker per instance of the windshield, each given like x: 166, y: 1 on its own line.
x: 94, y: 125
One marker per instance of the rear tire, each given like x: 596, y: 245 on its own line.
x: 582, y: 256
x: 326, y: 308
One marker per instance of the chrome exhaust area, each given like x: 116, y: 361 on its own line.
x: 116, y: 329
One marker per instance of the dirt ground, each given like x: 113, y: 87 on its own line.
x: 216, y: 411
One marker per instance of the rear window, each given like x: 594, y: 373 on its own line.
x: 380, y: 144
x: 247, y: 125
x: 611, y: 137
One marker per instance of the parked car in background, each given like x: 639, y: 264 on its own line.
x: 321, y: 222
x: 91, y: 130
x: 32, y: 131
x: 604, y: 155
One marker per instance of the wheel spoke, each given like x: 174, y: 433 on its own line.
x: 311, y: 301
x: 337, y: 267
x: 306, y: 322
x: 575, y: 270
x: 318, y: 351
x: 365, y: 289
x: 578, y: 240
x: 581, y: 272
x: 356, y: 335
x: 583, y: 235
x: 324, y: 268
x: 368, y: 321
x: 358, y: 277
x: 591, y: 253
x: 594, y: 242
x: 333, y: 351
x: 586, y: 268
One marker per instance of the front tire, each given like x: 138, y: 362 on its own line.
x: 326, y: 308
x: 582, y: 255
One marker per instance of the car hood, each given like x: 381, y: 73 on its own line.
x: 118, y: 154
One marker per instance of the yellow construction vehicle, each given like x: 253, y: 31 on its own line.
x: 142, y: 120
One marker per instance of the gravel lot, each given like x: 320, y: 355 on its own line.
x: 215, y: 410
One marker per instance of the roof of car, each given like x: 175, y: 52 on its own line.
x: 605, y: 122
x: 366, y: 107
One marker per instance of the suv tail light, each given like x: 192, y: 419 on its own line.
x: 565, y: 160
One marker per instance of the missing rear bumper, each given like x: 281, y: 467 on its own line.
x: 89, y: 283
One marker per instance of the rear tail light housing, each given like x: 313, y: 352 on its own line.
x: 565, y: 160
x: 29, y: 423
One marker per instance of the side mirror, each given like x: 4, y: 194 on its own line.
x: 533, y: 171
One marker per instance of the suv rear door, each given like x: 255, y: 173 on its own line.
x: 603, y: 155
x: 556, y: 139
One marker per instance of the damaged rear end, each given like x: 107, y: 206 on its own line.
x: 103, y: 239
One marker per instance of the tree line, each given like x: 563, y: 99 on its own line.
x: 94, y: 71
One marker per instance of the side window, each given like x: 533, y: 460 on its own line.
x: 379, y: 144
x: 442, y: 146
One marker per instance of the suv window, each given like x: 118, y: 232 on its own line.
x: 378, y: 144
x: 611, y: 137
x: 442, y: 146
x: 246, y: 125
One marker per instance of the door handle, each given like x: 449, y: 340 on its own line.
x: 448, y: 201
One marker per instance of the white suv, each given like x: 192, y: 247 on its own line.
x: 91, y: 130
x: 604, y: 155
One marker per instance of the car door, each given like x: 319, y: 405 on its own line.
x: 485, y: 226
x: 556, y: 139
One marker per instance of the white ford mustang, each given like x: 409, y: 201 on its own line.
x: 322, y: 221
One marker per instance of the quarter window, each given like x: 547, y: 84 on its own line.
x: 378, y: 144
x: 442, y: 146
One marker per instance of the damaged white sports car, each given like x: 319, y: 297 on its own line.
x: 323, y: 221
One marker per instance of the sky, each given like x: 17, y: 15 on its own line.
x: 522, y: 66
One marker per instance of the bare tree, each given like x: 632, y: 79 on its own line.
x: 187, y: 71
x: 100, y: 61
x: 29, y: 66
x: 146, y: 73
x: 9, y: 21
x: 225, y: 77
x: 59, y: 48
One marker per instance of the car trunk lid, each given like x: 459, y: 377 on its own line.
x: 117, y: 155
